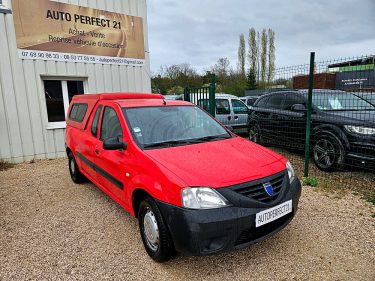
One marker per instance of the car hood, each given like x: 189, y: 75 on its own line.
x: 352, y: 116
x: 219, y: 163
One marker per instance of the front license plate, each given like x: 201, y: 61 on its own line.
x: 273, y: 213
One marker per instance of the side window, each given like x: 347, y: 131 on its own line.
x: 261, y: 102
x: 78, y: 112
x: 291, y: 99
x: 239, y: 107
x: 275, y: 101
x: 222, y: 106
x: 111, y: 126
x: 250, y: 102
x: 95, y: 121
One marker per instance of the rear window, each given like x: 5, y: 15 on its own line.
x: 78, y: 112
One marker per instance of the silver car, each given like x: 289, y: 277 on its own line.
x: 230, y: 111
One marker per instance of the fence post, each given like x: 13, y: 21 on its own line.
x: 187, y: 94
x: 212, y: 103
x: 308, y: 115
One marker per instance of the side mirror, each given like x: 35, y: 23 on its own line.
x: 298, y: 107
x: 114, y: 144
x: 229, y: 128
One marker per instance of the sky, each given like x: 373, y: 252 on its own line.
x: 199, y: 32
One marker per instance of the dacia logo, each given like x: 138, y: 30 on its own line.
x: 268, y: 188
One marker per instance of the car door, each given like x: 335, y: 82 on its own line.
x: 271, y: 131
x: 86, y: 153
x: 223, y: 112
x: 240, y: 116
x: 293, y: 122
x: 112, y: 164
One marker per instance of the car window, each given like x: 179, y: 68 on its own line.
x: 261, y: 102
x: 111, y: 126
x: 275, y: 101
x: 95, y: 121
x: 222, y: 106
x: 292, y: 99
x: 78, y: 112
x: 250, y: 102
x: 239, y: 107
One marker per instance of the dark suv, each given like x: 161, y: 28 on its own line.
x: 342, y: 128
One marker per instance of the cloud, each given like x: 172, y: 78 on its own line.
x: 200, y: 32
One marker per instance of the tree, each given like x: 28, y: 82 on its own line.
x: 263, y: 57
x: 242, y: 55
x: 253, y: 51
x: 271, y: 55
x: 251, y: 82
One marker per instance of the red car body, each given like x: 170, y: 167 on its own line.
x: 128, y: 174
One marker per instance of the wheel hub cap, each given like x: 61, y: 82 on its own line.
x: 72, y: 166
x: 151, y: 230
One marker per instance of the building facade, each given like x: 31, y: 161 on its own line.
x: 39, y: 75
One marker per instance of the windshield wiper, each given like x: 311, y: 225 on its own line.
x: 166, y: 143
x: 209, y: 138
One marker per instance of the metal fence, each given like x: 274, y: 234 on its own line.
x: 322, y: 114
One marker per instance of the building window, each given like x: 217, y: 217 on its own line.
x: 58, y: 94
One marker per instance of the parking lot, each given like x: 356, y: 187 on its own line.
x: 52, y: 229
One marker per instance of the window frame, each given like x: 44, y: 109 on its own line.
x: 100, y: 129
x: 64, y: 85
x: 5, y: 7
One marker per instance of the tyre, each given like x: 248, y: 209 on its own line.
x: 254, y: 134
x: 328, y: 153
x: 75, y: 174
x: 154, y: 232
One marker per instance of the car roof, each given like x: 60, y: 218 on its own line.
x: 151, y: 103
x: 226, y: 96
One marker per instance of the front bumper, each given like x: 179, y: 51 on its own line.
x: 203, y: 232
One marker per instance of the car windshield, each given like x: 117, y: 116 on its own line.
x: 165, y: 126
x: 340, y: 102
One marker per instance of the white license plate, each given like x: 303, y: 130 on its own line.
x: 273, y: 213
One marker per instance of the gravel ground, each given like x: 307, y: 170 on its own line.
x: 52, y: 229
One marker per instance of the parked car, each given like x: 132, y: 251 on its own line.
x: 193, y: 185
x: 249, y: 100
x: 230, y: 111
x: 342, y: 128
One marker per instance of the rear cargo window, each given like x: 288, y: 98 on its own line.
x: 78, y: 112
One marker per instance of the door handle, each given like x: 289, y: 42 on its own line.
x: 229, y: 117
x: 97, y: 151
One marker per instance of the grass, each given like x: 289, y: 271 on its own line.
x: 5, y: 165
x: 310, y: 181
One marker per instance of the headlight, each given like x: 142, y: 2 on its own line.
x: 290, y: 169
x: 360, y: 130
x: 202, y: 198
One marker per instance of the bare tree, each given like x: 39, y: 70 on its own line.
x: 241, y: 55
x: 263, y: 56
x: 253, y: 51
x: 271, y: 55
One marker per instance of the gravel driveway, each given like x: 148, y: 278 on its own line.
x: 52, y: 229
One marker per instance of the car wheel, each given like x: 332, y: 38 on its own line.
x: 75, y: 174
x: 328, y: 153
x: 254, y: 134
x: 154, y: 232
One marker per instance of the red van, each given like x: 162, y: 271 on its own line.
x: 194, y: 186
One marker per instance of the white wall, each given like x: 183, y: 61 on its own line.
x: 23, y: 112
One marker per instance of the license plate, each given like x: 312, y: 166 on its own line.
x: 273, y: 213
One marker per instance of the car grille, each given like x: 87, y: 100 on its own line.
x: 256, y: 191
x: 252, y: 234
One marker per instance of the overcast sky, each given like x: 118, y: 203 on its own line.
x: 199, y: 32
